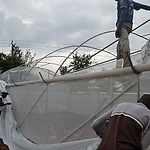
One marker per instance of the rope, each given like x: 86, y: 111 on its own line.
x: 131, y: 64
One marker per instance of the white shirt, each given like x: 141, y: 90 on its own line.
x: 137, y: 111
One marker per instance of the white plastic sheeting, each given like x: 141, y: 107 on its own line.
x: 145, y: 53
x: 64, y: 110
x: 49, y: 113
x: 58, y: 111
x: 11, y: 135
x: 25, y: 73
x: 15, y: 141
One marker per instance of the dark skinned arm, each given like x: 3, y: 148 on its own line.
x: 2, y: 103
x: 119, y: 26
x: 145, y: 7
x: 8, y: 104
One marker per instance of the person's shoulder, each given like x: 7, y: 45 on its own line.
x: 124, y: 104
x: 127, y: 103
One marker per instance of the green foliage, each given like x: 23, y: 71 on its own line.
x: 28, y: 58
x: 15, y: 58
x: 79, y: 62
x: 63, y: 70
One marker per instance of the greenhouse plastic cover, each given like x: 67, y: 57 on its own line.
x: 60, y: 108
x: 15, y: 141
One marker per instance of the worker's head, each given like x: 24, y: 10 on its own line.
x: 145, y: 99
x: 4, y: 94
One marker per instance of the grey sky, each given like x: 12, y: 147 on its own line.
x: 62, y: 21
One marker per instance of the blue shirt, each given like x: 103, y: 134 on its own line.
x: 130, y: 5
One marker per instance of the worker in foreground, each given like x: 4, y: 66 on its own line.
x: 125, y: 127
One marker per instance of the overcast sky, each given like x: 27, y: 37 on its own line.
x: 61, y: 21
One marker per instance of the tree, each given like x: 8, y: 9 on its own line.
x: 3, y: 59
x: 16, y: 53
x: 63, y: 70
x: 28, y: 58
x: 15, y: 58
x: 79, y: 62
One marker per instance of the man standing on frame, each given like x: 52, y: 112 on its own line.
x: 124, y: 24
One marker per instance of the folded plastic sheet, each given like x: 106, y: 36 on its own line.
x: 14, y: 139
